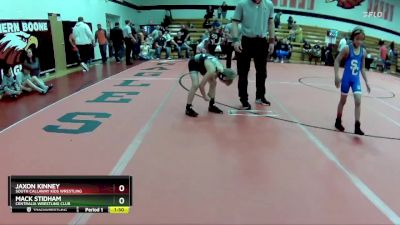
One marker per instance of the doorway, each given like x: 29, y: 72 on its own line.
x: 57, y: 34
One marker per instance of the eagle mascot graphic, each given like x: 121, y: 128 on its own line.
x: 347, y: 4
x: 13, y: 45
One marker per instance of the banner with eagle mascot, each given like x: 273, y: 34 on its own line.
x: 16, y: 36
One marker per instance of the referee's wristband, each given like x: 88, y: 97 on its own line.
x: 235, y: 39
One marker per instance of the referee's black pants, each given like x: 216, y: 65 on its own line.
x: 256, y: 48
x: 128, y: 50
x: 228, y: 51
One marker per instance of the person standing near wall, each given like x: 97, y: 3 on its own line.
x: 137, y: 43
x: 257, y: 18
x: 224, y: 8
x: 117, y: 40
x: 129, y: 41
x: 219, y: 12
x: 383, y: 52
x: 342, y: 45
x: 101, y: 38
x: 84, y: 41
x: 229, y: 47
x: 277, y: 19
x: 209, y: 12
x: 393, y: 54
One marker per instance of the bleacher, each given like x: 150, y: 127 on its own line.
x: 310, y: 33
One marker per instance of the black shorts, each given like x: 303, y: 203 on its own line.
x: 195, y: 66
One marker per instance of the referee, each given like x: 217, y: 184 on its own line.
x: 255, y: 16
x: 129, y: 41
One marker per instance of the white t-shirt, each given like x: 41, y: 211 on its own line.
x: 167, y: 37
x: 201, y: 48
x: 228, y: 28
x: 254, y: 17
x: 342, y: 44
x: 144, y: 50
x: 127, y: 31
x: 82, y: 33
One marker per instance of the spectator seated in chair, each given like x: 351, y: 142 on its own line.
x: 10, y: 84
x: 306, y: 50
x: 284, y: 51
x: 215, y: 41
x: 315, y: 53
x: 273, y: 56
x: 207, y: 24
x: 292, y: 34
x: 216, y: 24
x: 160, y: 44
x: 328, y: 53
x: 368, y: 61
x: 180, y: 45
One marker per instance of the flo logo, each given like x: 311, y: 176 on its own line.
x: 12, y: 46
x: 373, y: 14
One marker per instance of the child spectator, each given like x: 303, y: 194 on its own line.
x: 146, y: 53
x: 284, y: 51
x: 10, y: 84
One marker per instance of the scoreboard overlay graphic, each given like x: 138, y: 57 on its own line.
x: 70, y: 194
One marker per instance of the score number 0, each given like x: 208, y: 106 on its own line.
x: 121, y: 188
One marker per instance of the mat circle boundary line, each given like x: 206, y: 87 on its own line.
x: 301, y: 81
x: 292, y: 121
